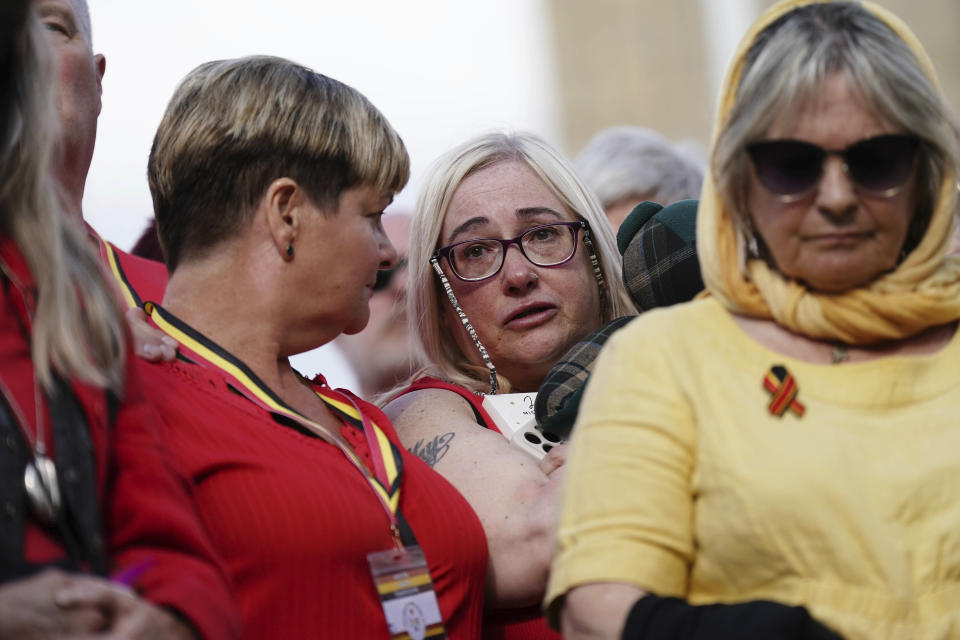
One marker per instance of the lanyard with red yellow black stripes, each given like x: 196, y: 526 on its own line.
x: 109, y: 256
x: 384, y: 478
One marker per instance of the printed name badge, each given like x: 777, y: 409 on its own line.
x: 406, y: 594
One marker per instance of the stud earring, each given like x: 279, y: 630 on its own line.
x: 290, y: 250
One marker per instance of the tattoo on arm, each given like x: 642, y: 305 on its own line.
x: 432, y: 451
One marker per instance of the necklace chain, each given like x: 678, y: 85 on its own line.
x: 35, y: 439
x: 839, y: 354
x: 40, y: 475
x: 37, y: 442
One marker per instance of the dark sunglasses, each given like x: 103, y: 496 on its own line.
x: 791, y: 169
x: 385, y: 276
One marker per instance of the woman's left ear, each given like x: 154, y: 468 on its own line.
x: 282, y: 205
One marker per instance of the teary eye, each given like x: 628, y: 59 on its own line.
x: 476, y: 250
x: 543, y: 233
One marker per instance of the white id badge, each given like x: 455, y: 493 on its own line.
x: 406, y: 594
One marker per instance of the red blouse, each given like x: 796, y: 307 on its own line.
x: 147, y: 511
x: 294, y: 520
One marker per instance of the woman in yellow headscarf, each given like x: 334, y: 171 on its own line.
x: 779, y: 459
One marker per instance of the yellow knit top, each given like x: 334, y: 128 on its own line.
x: 681, y: 481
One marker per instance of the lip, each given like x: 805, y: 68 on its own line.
x: 840, y: 239
x: 530, y: 315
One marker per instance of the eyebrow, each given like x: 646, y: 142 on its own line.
x: 472, y: 223
x: 477, y: 221
x: 528, y: 212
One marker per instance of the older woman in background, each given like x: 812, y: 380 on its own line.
x: 269, y: 182
x: 627, y: 165
x: 780, y: 457
x: 86, y: 487
x: 511, y: 263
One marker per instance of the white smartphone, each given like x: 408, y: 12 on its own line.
x: 514, y: 415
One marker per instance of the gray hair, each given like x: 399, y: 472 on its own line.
x: 792, y: 59
x: 425, y: 299
x: 81, y: 12
x: 625, y: 161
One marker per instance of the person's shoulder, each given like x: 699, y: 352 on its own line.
x: 428, y: 382
x: 683, y: 318
x: 147, y: 277
x: 446, y: 397
x: 165, y: 382
x: 428, y: 389
x: 431, y: 402
x: 139, y: 266
x: 676, y: 336
x: 366, y: 408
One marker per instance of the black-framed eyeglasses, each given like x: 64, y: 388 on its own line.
x: 546, y: 245
x: 791, y: 169
x: 385, y: 276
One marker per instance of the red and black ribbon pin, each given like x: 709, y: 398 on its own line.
x: 783, y: 389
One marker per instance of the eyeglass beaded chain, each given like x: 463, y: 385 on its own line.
x: 494, y: 385
x: 587, y: 240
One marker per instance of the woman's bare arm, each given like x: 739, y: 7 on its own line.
x: 515, y: 498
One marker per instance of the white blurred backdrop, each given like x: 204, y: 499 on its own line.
x: 440, y: 71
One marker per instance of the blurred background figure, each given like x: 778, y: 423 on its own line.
x: 79, y: 82
x: 381, y: 355
x: 626, y: 165
x: 85, y: 487
x: 148, y: 244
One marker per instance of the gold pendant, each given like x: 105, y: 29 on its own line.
x: 43, y: 492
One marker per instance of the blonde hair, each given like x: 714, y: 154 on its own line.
x: 433, y: 344
x: 77, y: 328
x: 234, y: 126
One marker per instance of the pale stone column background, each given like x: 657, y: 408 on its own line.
x: 658, y: 63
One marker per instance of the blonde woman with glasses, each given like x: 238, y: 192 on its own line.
x: 512, y: 262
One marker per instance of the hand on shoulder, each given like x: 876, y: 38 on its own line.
x: 149, y: 343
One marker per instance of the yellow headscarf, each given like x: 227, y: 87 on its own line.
x: 923, y: 291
